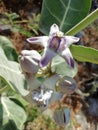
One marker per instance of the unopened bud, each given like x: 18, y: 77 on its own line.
x: 62, y: 116
x: 66, y: 85
x: 29, y: 61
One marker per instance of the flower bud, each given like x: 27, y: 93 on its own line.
x: 29, y: 61
x: 66, y: 85
x: 62, y: 116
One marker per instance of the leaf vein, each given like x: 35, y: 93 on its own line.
x: 65, y: 15
x: 52, y: 13
x: 63, y: 3
x: 7, y: 68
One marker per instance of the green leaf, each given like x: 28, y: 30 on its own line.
x: 11, y: 72
x: 84, y: 54
x: 18, y: 98
x: 11, y: 16
x: 12, y: 112
x: 60, y: 66
x: 10, y: 126
x: 8, y: 48
x: 65, y: 13
x: 22, y: 30
x: 5, y: 86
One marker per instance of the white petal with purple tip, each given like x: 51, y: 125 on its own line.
x: 70, y: 40
x: 42, y: 40
x: 66, y: 54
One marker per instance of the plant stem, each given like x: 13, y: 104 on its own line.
x: 84, y: 23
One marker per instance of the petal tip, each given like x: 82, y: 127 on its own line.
x: 54, y: 29
x: 76, y: 39
x: 32, y: 39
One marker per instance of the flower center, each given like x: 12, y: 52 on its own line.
x: 54, y: 43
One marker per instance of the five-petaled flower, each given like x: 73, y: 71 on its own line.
x: 55, y: 43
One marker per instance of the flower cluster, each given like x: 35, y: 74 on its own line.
x: 54, y: 86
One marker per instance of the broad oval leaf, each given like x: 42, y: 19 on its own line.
x: 65, y: 13
x: 60, y: 66
x: 12, y: 112
x: 11, y: 72
x: 84, y: 54
x: 8, y: 48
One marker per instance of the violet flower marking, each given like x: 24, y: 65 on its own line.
x: 55, y: 43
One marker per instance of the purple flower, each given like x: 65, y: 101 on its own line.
x: 55, y: 43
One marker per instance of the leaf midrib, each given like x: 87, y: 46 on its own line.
x: 9, y: 69
x: 65, y: 15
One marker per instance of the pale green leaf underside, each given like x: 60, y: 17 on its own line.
x: 12, y: 111
x: 11, y: 72
x: 65, y: 13
x: 84, y: 54
x: 8, y: 48
x: 60, y: 66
